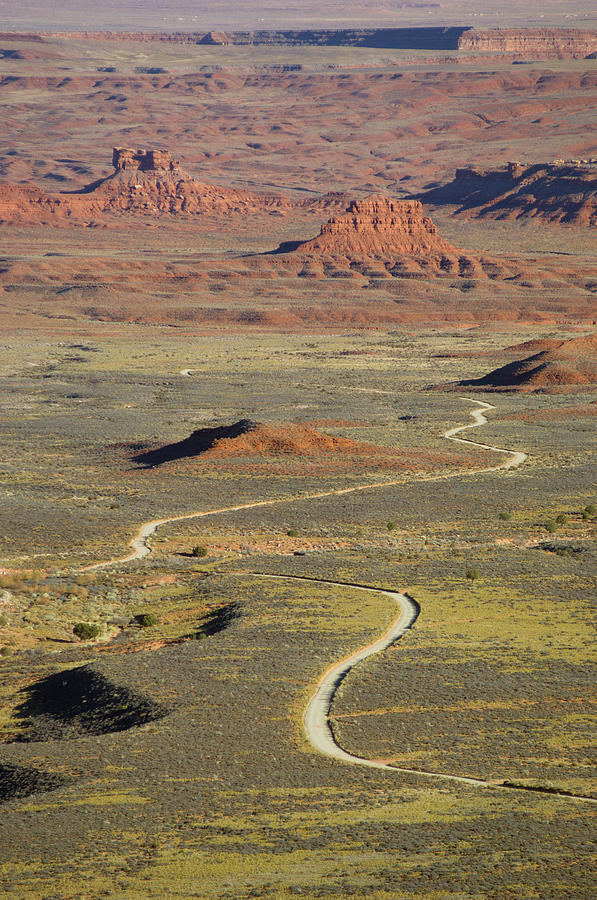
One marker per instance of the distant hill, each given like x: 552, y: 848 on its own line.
x: 558, y: 192
x: 557, y: 366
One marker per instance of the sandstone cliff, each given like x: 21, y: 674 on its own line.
x: 526, y: 43
x: 531, y: 43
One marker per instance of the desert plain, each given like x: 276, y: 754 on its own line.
x: 290, y: 327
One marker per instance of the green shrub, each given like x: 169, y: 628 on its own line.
x: 146, y: 620
x: 551, y: 526
x: 292, y: 532
x: 3, y: 620
x: 589, y: 510
x: 505, y: 516
x: 472, y: 574
x: 86, y: 631
x: 199, y: 551
x: 391, y: 526
x: 561, y: 519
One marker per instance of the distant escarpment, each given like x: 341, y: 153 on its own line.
x: 528, y: 43
x: 562, y: 191
x: 395, y: 234
x: 146, y: 182
x: 558, y: 366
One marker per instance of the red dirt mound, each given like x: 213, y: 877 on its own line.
x: 395, y: 233
x: 560, y: 192
x: 535, y: 345
x: 247, y: 438
x: 284, y: 439
x: 571, y: 363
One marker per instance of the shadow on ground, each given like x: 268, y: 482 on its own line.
x: 82, y: 701
x: 198, y: 442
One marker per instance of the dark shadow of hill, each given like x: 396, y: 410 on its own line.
x: 219, y: 620
x: 513, y: 374
x: 21, y: 781
x: 198, y: 442
x: 285, y: 247
x: 83, y: 701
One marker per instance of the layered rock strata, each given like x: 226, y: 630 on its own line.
x: 526, y: 43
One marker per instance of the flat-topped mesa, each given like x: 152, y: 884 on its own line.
x: 126, y: 159
x: 531, y: 43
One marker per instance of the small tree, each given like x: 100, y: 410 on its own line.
x: 472, y: 574
x: 391, y: 526
x: 551, y: 526
x: 199, y: 551
x: 146, y: 620
x: 86, y: 631
x: 292, y: 532
x: 504, y: 516
x: 561, y: 519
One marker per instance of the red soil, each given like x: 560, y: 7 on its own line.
x: 286, y: 439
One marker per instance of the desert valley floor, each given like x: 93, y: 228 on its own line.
x: 296, y: 341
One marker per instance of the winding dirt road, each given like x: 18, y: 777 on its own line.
x: 140, y: 548
x: 516, y: 456
x: 316, y: 720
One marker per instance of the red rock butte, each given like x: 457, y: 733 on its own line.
x: 397, y: 234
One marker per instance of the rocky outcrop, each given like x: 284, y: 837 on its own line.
x: 560, y: 365
x: 143, y: 160
x: 382, y: 228
x: 149, y: 182
x: 563, y: 191
x: 395, y: 233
